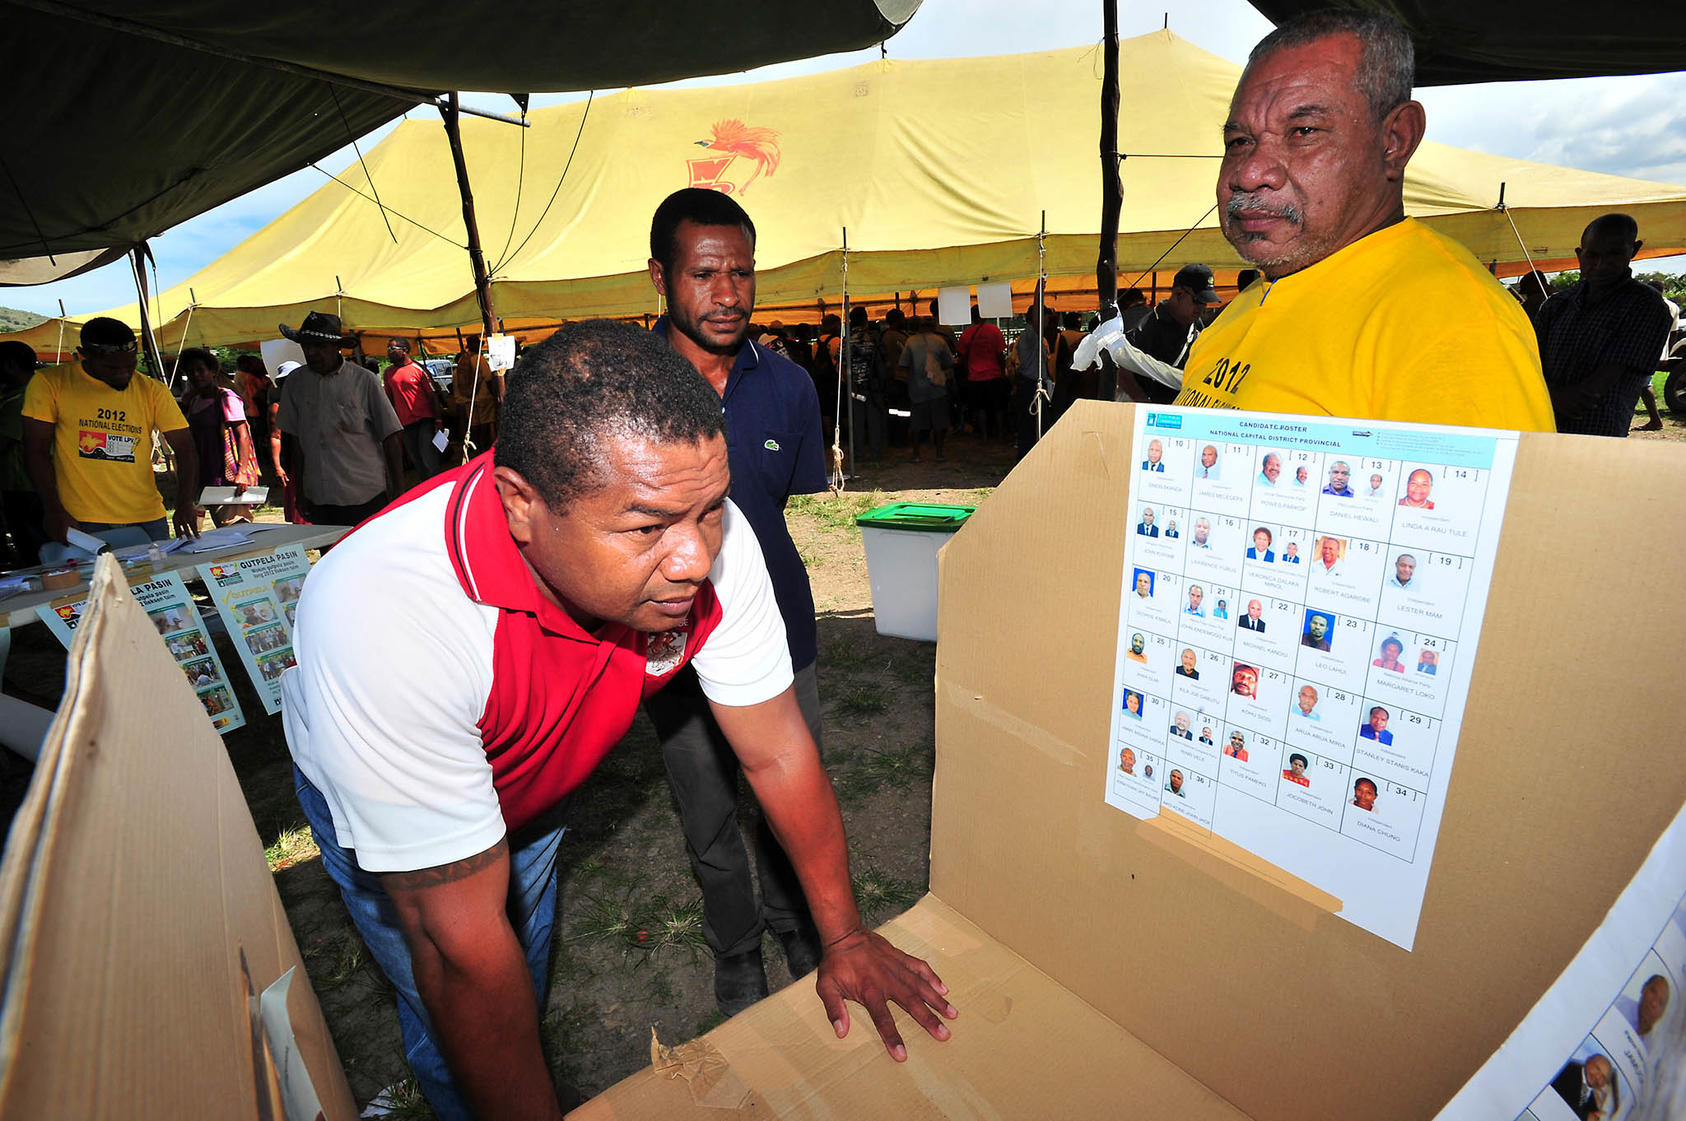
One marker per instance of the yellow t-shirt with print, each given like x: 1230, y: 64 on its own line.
x: 1400, y: 325
x: 102, y: 441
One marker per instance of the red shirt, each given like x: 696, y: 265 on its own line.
x: 411, y: 392
x: 441, y: 699
x: 981, y: 345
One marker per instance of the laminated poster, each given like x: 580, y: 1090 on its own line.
x: 256, y: 597
x: 1298, y: 624
x: 167, y: 603
x: 1608, y: 1039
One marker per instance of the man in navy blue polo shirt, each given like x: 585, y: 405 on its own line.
x: 702, y: 262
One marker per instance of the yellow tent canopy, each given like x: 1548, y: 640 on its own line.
x: 940, y: 172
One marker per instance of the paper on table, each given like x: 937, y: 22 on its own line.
x: 87, y: 542
x: 210, y: 541
x: 995, y: 301
x: 227, y: 496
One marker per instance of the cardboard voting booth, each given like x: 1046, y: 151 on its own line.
x: 145, y: 951
x: 1106, y: 966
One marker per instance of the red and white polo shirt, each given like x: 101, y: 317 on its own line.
x: 440, y: 700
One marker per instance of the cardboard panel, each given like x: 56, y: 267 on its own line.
x: 1022, y: 1047
x: 1566, y: 773
x: 133, y: 883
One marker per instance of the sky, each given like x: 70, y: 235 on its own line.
x: 1634, y: 126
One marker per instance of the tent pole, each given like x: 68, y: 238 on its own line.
x: 848, y: 365
x: 450, y: 110
x: 1041, y: 298
x: 1112, y: 187
x: 137, y: 262
x: 1112, y: 192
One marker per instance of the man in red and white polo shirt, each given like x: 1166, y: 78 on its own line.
x: 537, y: 595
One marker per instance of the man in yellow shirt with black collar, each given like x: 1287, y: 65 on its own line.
x: 1361, y: 311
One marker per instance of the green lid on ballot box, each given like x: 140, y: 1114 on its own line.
x: 928, y: 517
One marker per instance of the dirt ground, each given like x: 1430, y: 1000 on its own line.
x: 629, y: 954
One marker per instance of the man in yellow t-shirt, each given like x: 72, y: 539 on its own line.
x: 88, y: 441
x: 1362, y: 312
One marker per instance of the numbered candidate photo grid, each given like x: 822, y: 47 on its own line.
x: 1319, y: 685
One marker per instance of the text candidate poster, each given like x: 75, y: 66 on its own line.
x: 167, y: 603
x: 1301, y: 605
x: 256, y: 597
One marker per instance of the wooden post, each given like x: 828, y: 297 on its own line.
x: 1112, y: 186
x: 1112, y: 193
x: 451, y: 111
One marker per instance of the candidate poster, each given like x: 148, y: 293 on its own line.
x: 168, y: 604
x: 1301, y: 604
x: 256, y: 597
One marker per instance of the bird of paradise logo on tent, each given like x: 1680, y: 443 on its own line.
x: 730, y: 142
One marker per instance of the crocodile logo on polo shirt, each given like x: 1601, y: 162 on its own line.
x: 771, y: 444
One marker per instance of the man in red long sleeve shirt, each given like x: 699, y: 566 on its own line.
x: 416, y: 402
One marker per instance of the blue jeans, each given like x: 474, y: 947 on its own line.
x: 532, y: 912
x: 156, y: 530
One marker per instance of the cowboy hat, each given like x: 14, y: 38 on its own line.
x: 318, y: 327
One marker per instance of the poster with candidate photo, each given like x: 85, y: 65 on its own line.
x: 167, y: 603
x: 1315, y: 617
x: 1607, y: 1040
x: 256, y: 596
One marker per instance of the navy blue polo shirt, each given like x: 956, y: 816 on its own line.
x: 776, y: 449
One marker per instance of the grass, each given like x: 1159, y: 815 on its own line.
x: 293, y: 846
x: 860, y: 698
x: 882, y: 897
x: 567, y: 1033
x: 872, y: 769
x: 338, y: 958
x: 836, y: 513
x: 404, y: 1101
x: 846, y: 658
x: 640, y: 927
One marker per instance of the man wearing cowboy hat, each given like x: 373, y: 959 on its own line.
x: 349, y: 459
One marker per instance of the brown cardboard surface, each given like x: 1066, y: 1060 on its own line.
x: 1023, y: 1047
x: 133, y: 882
x: 1565, y: 775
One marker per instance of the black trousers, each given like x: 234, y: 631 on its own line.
x: 703, y: 774
x: 323, y: 514
x: 25, y: 517
x: 1024, y: 397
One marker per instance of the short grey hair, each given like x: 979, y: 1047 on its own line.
x: 1387, y: 63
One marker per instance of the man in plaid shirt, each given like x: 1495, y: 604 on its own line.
x: 1599, y: 341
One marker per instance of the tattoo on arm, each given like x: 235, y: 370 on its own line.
x: 423, y: 878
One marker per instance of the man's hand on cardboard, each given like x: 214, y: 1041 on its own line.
x: 867, y: 969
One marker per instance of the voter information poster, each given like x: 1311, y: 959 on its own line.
x: 256, y: 597
x: 166, y: 601
x: 1608, y: 1038
x: 1301, y: 605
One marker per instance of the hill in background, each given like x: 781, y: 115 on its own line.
x: 11, y: 319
